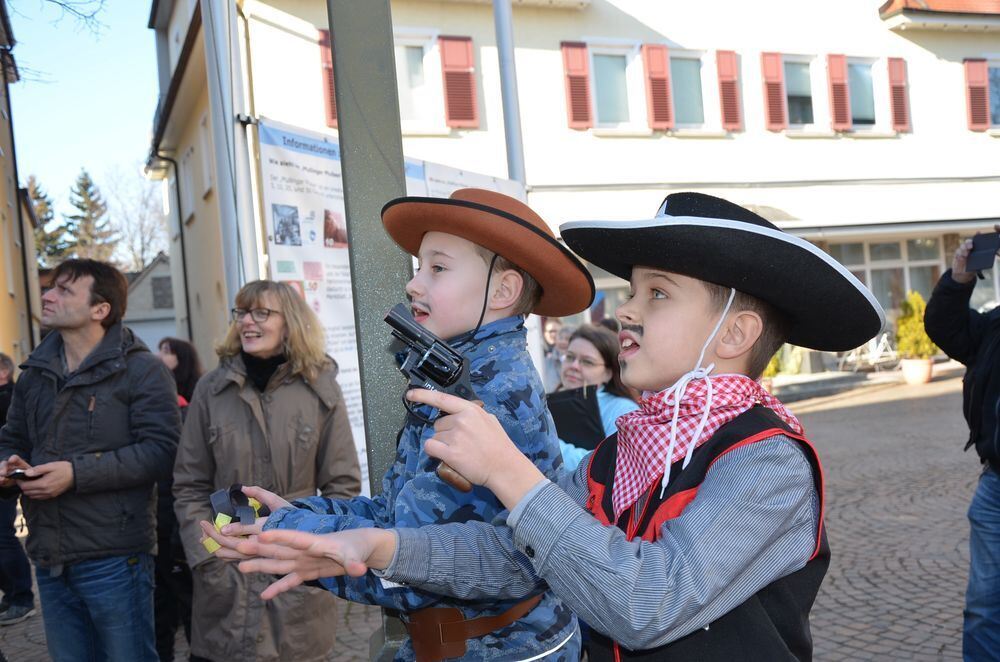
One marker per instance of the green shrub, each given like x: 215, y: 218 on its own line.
x: 910, y: 334
x: 773, y: 365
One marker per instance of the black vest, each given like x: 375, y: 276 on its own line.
x: 773, y: 624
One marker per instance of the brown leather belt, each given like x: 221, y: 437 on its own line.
x: 439, y: 633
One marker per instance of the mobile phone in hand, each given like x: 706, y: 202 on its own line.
x: 984, y: 252
x: 19, y: 474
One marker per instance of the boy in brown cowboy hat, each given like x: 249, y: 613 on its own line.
x: 694, y: 533
x: 485, y: 261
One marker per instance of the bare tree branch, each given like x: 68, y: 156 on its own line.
x: 136, y: 204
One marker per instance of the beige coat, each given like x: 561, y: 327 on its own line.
x: 293, y: 439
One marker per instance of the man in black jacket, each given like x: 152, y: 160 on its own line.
x: 973, y: 338
x: 18, y: 601
x: 94, y: 424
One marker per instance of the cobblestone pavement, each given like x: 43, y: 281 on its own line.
x: 898, y: 487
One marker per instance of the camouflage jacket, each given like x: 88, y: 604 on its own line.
x: 507, y: 382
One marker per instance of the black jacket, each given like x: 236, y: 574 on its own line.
x: 6, y: 392
x: 972, y: 338
x: 116, y: 420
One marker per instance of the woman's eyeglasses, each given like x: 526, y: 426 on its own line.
x: 256, y: 314
x: 569, y: 358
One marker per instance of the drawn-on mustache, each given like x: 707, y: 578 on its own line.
x: 633, y: 328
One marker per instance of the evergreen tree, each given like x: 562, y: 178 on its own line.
x: 51, y: 245
x: 91, y: 233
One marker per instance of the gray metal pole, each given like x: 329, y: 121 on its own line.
x: 371, y: 154
x: 504, y: 22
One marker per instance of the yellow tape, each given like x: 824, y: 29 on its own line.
x: 254, y: 504
x: 221, y: 520
x: 211, y: 545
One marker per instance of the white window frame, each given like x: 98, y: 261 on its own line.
x: 711, y: 104
x: 635, y: 83
x: 820, y: 89
x: 880, y: 95
x: 187, y: 186
x: 992, y: 62
x: 427, y: 39
x: 903, y: 262
x: 205, y: 145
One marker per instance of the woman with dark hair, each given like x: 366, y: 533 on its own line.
x: 182, y: 359
x: 172, y: 589
x: 590, y: 376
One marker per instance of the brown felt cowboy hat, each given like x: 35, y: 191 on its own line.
x: 504, y: 225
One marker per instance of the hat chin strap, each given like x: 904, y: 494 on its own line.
x: 679, y: 388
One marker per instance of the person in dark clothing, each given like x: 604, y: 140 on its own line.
x: 973, y: 338
x: 18, y: 601
x: 172, y: 593
x: 94, y: 423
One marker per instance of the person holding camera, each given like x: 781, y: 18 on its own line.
x: 91, y: 427
x: 973, y: 338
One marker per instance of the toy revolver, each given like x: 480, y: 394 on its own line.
x: 433, y: 364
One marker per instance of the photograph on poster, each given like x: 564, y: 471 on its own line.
x: 334, y: 230
x: 297, y: 286
x: 286, y: 225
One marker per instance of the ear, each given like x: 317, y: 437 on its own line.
x: 739, y: 334
x: 507, y: 286
x: 100, y: 311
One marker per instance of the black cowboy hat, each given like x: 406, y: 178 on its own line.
x: 714, y: 240
x: 507, y: 227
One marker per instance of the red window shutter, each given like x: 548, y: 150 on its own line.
x: 977, y: 94
x: 898, y: 95
x: 329, y: 89
x: 577, y: 69
x: 775, y: 115
x: 458, y: 69
x: 729, y: 90
x: 840, y: 100
x: 659, y: 103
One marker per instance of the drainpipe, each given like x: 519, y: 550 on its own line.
x: 180, y: 232
x: 20, y: 217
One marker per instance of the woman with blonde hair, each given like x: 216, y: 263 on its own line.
x: 273, y: 415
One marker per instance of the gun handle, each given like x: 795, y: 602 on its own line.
x: 452, y: 477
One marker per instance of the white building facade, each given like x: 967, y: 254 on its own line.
x: 871, y: 131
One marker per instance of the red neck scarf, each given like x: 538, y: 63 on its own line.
x: 671, y: 424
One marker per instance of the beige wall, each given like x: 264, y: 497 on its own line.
x: 15, y: 326
x: 202, y: 236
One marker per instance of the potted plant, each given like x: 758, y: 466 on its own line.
x: 915, y: 347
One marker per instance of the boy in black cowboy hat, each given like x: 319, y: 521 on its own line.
x: 485, y: 261
x: 696, y: 532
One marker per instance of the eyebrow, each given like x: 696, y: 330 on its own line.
x: 439, y: 253
x: 655, y: 273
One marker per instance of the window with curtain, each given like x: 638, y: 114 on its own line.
x: 798, y: 91
x: 411, y: 83
x: 859, y: 82
x: 685, y: 78
x: 611, y: 88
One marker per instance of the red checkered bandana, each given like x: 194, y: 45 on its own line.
x: 670, y: 424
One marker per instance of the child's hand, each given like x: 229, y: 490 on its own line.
x: 269, y: 499
x: 475, y: 445
x: 229, y: 537
x: 301, y: 556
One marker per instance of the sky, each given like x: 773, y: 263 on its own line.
x: 84, y: 100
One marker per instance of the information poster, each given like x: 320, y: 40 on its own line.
x: 307, y: 237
